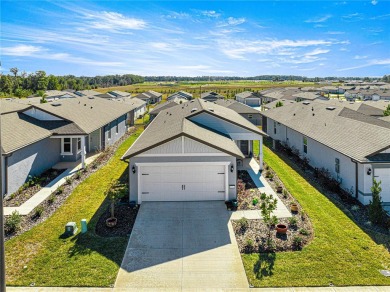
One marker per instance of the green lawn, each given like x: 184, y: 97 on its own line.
x: 341, y: 253
x: 42, y: 256
x: 142, y: 121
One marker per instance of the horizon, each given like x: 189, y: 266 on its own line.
x: 194, y: 39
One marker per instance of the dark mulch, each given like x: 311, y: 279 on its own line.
x: 56, y: 199
x: 27, y: 191
x: 126, y: 216
x: 254, y: 236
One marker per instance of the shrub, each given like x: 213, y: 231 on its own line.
x: 38, y: 211
x: 51, y: 199
x: 303, y: 231
x: 249, y: 244
x: 60, y: 190
x: 285, y: 194
x: 77, y: 174
x: 292, y: 221
x: 376, y: 212
x: 263, y: 196
x: 94, y: 165
x: 86, y: 168
x: 12, y: 223
x: 255, y: 201
x: 68, y: 180
x: 243, y: 223
x: 303, y: 215
x: 268, y: 205
x: 297, y: 241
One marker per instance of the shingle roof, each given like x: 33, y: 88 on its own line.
x: 8, y: 106
x: 248, y: 94
x: 181, y: 93
x: 163, y: 106
x: 272, y: 104
x: 118, y: 93
x: 175, y: 122
x: 88, y: 114
x: 354, y: 137
x: 238, y: 107
x: 307, y: 95
x: 212, y: 95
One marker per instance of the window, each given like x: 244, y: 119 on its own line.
x: 78, y: 144
x: 274, y: 127
x: 337, y: 165
x: 304, y: 144
x: 66, y: 146
x: 109, y: 131
x: 249, y: 116
x: 117, y: 126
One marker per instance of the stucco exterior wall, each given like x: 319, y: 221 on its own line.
x: 31, y: 160
x: 133, y: 177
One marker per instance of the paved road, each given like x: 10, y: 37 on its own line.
x: 182, y: 245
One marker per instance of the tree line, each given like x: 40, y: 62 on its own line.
x: 21, y: 84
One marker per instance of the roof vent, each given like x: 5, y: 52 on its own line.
x: 56, y: 104
x: 211, y: 109
x: 91, y: 97
x: 330, y: 108
x: 194, y: 110
x: 306, y: 102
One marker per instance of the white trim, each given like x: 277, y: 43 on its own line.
x: 183, y: 154
x: 62, y: 147
x: 61, y: 137
x: 77, y: 146
x: 182, y: 144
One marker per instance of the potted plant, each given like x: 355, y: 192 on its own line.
x: 114, y: 193
x: 294, y: 207
x: 279, y: 188
x: 281, y: 229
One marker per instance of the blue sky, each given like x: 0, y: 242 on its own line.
x: 233, y: 38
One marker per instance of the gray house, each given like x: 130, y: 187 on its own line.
x: 150, y: 97
x: 211, y: 96
x: 189, y: 152
x: 354, y: 147
x: 180, y: 95
x: 249, y: 113
x: 249, y: 98
x: 36, y: 137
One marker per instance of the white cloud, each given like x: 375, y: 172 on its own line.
x: 177, y: 15
x: 358, y: 57
x: 113, y: 21
x: 319, y: 19
x: 374, y: 2
x: 21, y: 50
x: 374, y: 62
x: 353, y: 17
x: 210, y: 13
x: 335, y: 32
x: 317, y: 52
x: 231, y: 21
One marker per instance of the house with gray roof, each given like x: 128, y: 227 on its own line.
x: 180, y: 95
x: 36, y: 137
x: 189, y: 152
x: 249, y: 113
x: 249, y: 98
x: 150, y: 97
x: 211, y: 96
x: 162, y: 106
x: 352, y: 146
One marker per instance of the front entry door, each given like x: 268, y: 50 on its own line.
x: 244, y: 147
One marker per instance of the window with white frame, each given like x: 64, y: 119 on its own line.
x: 304, y: 144
x: 109, y: 131
x: 78, y: 144
x: 337, y: 165
x: 117, y: 126
x: 66, y: 146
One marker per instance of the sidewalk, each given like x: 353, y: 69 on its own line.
x: 46, y: 191
x: 254, y: 171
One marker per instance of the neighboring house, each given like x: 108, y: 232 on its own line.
x: 381, y: 94
x: 211, y: 96
x: 351, y: 95
x: 36, y: 137
x: 87, y: 93
x: 273, y: 104
x: 332, y: 90
x: 302, y: 96
x: 249, y: 113
x: 353, y: 147
x: 119, y: 94
x: 180, y: 95
x: 189, y: 152
x: 163, y: 106
x: 139, y: 108
x: 250, y: 98
x: 150, y: 97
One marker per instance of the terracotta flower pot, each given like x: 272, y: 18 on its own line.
x: 111, y: 222
x: 281, y: 229
x: 294, y: 207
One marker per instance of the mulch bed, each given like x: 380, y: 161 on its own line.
x: 26, y: 192
x: 57, y: 198
x: 252, y: 235
x: 126, y: 216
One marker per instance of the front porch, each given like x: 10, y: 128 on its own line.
x: 251, y: 149
x: 76, y: 165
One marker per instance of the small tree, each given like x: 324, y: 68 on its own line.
x: 375, y: 208
x: 115, y: 192
x: 387, y: 111
x: 279, y: 104
x: 268, y: 205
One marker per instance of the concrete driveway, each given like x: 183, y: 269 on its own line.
x: 182, y: 245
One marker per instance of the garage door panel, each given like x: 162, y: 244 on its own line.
x: 182, y: 183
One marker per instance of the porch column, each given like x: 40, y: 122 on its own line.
x: 83, y: 151
x: 261, y: 153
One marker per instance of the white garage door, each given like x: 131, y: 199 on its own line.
x: 383, y: 175
x: 182, y: 183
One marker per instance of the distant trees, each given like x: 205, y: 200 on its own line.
x: 386, y: 78
x: 23, y: 85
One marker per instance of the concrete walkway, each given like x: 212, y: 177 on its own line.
x: 46, y: 191
x: 182, y: 245
x: 252, y: 167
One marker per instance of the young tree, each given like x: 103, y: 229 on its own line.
x: 375, y: 209
x: 268, y: 205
